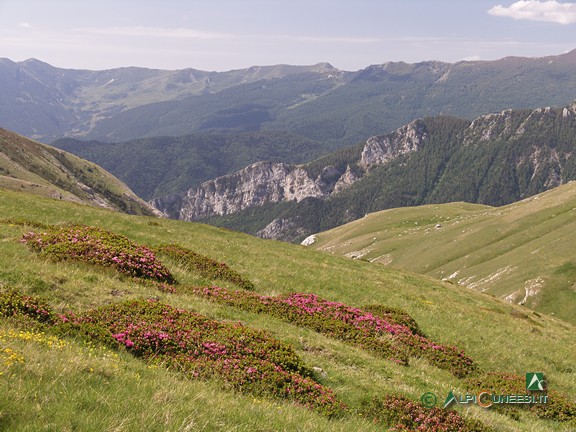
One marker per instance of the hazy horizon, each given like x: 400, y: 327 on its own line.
x: 226, y: 35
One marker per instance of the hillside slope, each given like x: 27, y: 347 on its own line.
x: 522, y: 252
x: 27, y: 165
x: 83, y: 385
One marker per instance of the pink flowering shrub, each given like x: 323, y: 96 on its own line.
x: 385, y: 336
x: 99, y: 246
x: 247, y: 360
x: 205, y: 266
x: 244, y: 359
x: 401, y: 414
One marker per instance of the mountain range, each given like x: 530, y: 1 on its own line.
x: 495, y: 159
x: 318, y: 102
x: 201, y: 125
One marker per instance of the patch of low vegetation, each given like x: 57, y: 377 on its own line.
x: 15, y: 304
x: 204, y: 265
x: 402, y: 414
x: 395, y: 315
x: 25, y: 222
x: 101, y: 247
x: 558, y: 407
x: 247, y: 360
x: 388, y: 338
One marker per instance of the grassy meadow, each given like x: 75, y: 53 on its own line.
x: 50, y: 382
x: 522, y: 252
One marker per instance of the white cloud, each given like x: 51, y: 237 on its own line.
x: 24, y: 25
x: 548, y: 11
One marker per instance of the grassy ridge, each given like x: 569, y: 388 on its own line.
x: 477, y: 323
x: 504, y: 251
x: 29, y: 166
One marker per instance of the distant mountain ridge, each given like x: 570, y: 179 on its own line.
x: 46, y: 102
x: 318, y: 102
x: 495, y: 159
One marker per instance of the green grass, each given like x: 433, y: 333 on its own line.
x: 54, y: 389
x: 498, y: 250
x: 75, y: 386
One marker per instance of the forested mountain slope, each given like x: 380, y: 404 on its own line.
x: 318, y: 102
x: 160, y: 166
x: 495, y: 159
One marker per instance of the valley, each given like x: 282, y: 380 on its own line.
x: 289, y: 247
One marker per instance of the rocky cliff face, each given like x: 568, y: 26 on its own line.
x: 380, y: 150
x: 253, y: 186
x: 270, y: 182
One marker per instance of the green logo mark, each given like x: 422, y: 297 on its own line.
x: 428, y: 400
x: 450, y: 399
x: 535, y: 381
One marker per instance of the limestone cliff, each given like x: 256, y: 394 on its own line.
x: 380, y: 150
x: 272, y: 182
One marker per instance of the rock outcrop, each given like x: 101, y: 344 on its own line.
x: 380, y: 150
x: 255, y: 185
x: 273, y: 182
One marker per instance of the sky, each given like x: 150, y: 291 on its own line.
x: 222, y: 35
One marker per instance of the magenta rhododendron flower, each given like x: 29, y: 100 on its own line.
x: 249, y: 360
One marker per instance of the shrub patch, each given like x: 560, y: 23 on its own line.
x: 402, y: 414
x: 101, y: 247
x: 388, y: 337
x: 205, y: 266
x: 247, y: 360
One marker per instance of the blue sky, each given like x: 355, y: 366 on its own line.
x: 232, y: 34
